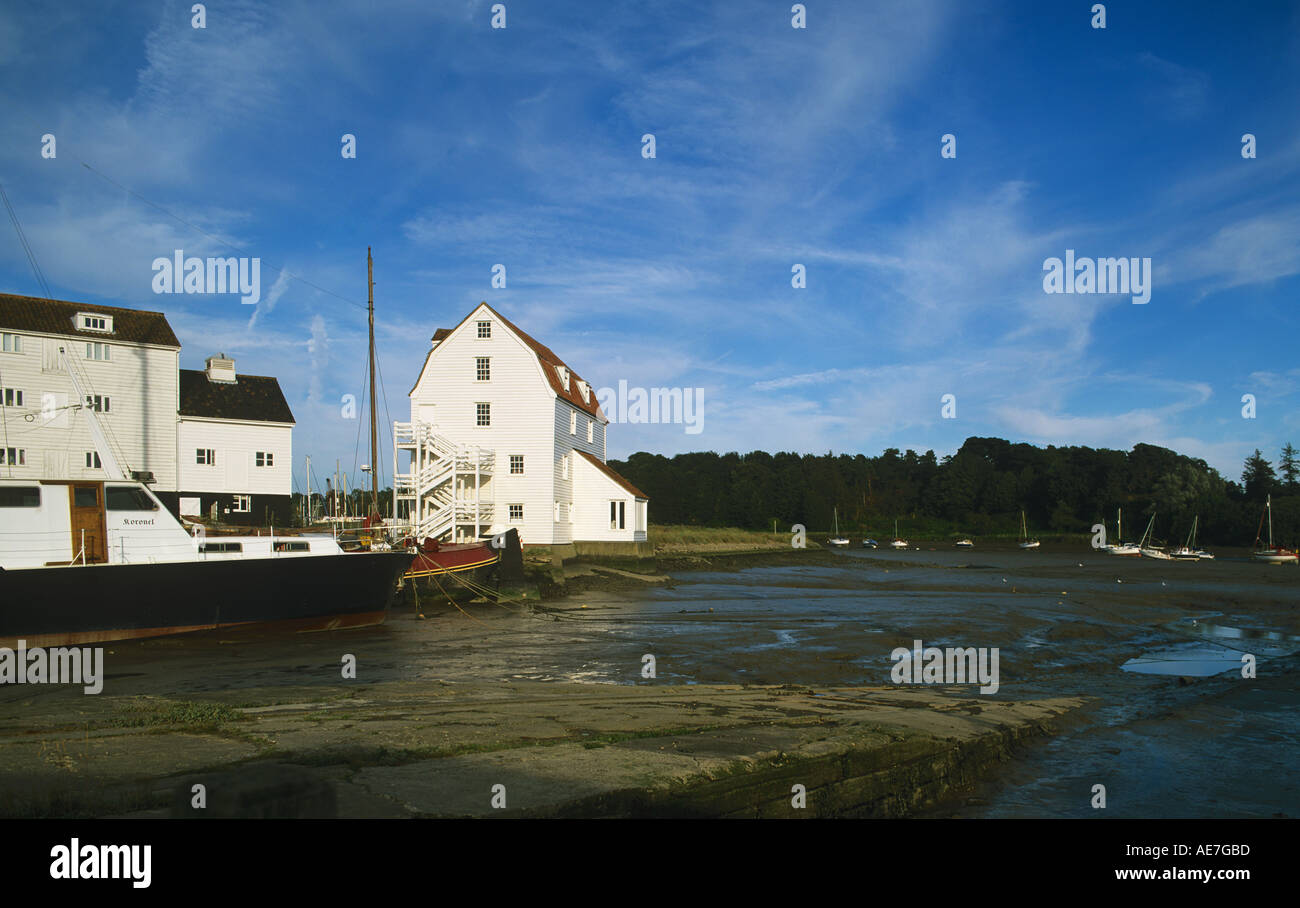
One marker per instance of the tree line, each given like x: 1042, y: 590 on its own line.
x: 979, y: 491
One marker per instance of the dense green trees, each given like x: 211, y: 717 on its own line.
x: 980, y: 491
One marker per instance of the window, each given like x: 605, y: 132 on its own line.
x: 585, y: 390
x: 591, y: 429
x: 483, y: 413
x: 564, y: 468
x: 571, y: 512
x: 20, y: 497
x: 11, y: 343
x: 243, y: 504
x: 483, y: 368
x: 516, y: 512
x: 516, y: 464
x: 265, y: 459
x: 205, y: 456
x: 573, y: 422
x: 616, y: 515
x: 127, y: 498
x: 13, y: 457
x: 208, y: 547
x: 98, y: 403
x: 557, y: 512
x: 484, y: 330
x: 564, y: 376
x: 97, y: 351
x: 94, y: 322
x: 292, y: 547
x: 92, y: 461
x: 13, y: 397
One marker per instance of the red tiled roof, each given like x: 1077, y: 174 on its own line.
x: 613, y: 474
x: 45, y: 316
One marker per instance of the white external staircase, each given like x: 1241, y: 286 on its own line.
x: 442, y: 495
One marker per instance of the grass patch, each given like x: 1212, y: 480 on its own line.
x: 677, y: 539
x: 189, y: 714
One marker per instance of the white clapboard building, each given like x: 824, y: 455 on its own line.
x: 503, y: 434
x: 235, y: 443
x: 156, y: 416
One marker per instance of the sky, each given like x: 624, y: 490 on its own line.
x: 774, y: 147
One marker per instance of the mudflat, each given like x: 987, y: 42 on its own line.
x: 767, y: 676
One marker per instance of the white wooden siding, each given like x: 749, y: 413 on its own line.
x: 521, y: 406
x: 528, y: 418
x: 236, y: 444
x: 142, y: 383
x: 592, y: 520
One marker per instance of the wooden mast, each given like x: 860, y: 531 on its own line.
x: 374, y: 437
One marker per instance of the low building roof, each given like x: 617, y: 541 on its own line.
x: 46, y: 316
x: 250, y: 398
x: 613, y: 474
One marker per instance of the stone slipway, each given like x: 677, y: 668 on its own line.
x: 431, y: 749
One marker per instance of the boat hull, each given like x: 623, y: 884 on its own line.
x: 456, y: 571
x: 453, y: 559
x: 62, y: 606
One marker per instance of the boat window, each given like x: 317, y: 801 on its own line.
x: 128, y: 498
x: 20, y: 497
x: 292, y: 547
x: 221, y: 547
x: 83, y: 497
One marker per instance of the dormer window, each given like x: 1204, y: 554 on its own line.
x: 87, y: 321
x: 564, y: 376
x: 484, y: 330
x: 585, y: 390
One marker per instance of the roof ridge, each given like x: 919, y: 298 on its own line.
x: 50, y: 299
x: 237, y: 374
x: 546, y: 357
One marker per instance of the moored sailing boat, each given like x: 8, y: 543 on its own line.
x: 1272, y: 554
x: 898, y: 542
x: 1119, y: 547
x: 837, y: 539
x: 1025, y: 541
x: 1187, y: 551
x: 1152, y: 551
x: 468, y: 564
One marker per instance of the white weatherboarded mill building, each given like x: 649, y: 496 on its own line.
x: 503, y: 434
x: 207, y: 442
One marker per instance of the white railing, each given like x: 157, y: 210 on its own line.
x: 434, y: 489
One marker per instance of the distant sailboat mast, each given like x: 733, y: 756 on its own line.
x: 374, y: 429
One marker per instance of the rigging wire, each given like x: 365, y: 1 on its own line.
x: 217, y: 239
x: 27, y: 247
x: 45, y: 287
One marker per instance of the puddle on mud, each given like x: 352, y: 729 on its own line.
x: 1218, y: 649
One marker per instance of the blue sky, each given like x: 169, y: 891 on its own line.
x: 775, y: 146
